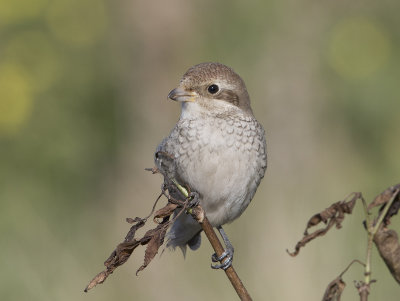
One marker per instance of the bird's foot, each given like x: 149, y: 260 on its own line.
x: 227, y: 255
x: 194, y: 199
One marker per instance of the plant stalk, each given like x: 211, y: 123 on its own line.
x: 199, y: 214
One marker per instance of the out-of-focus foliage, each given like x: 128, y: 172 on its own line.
x: 82, y: 107
x: 358, y: 48
x: 57, y: 138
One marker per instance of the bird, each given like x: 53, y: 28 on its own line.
x: 218, y: 149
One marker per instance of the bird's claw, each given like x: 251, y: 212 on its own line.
x: 214, y: 257
x: 228, y: 254
x: 194, y: 199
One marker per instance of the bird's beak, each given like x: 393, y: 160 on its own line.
x: 182, y: 95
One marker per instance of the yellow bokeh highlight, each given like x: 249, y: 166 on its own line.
x: 17, y: 11
x: 15, y: 98
x: 77, y: 23
x: 358, y: 48
x: 33, y: 51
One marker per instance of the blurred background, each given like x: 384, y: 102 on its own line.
x: 83, y: 88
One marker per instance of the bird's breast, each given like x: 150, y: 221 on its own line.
x: 223, y: 159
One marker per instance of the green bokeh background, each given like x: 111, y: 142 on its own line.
x: 83, y: 88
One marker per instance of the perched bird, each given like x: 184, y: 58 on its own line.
x: 218, y: 148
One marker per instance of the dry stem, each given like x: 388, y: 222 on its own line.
x: 199, y: 215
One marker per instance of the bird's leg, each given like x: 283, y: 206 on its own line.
x: 228, y: 253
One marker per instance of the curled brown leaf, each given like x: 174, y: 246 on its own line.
x: 154, y: 239
x: 387, y: 242
x: 394, y: 207
x: 331, y: 216
x: 384, y: 197
x: 334, y: 290
x: 137, y: 224
x: 164, y: 212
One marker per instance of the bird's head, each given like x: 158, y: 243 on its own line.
x: 213, y: 87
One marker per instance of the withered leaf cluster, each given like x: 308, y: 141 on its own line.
x: 334, y: 215
x: 180, y: 199
x: 153, y: 238
x: 335, y: 289
x: 386, y: 240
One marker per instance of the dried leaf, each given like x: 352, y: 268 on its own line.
x: 387, y: 242
x: 334, y: 215
x: 154, y: 239
x: 334, y: 290
x: 118, y: 257
x: 336, y: 212
x: 336, y: 287
x: 121, y: 253
x: 139, y: 224
x: 381, y: 199
x: 98, y: 279
x: 384, y: 197
x: 165, y: 211
x: 393, y: 209
x: 134, y: 220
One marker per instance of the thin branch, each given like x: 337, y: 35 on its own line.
x: 200, y: 216
x: 366, y: 211
x: 384, y: 211
x: 350, y: 264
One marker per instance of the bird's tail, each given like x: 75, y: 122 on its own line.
x: 185, y: 231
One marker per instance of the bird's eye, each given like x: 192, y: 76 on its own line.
x: 213, y: 89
